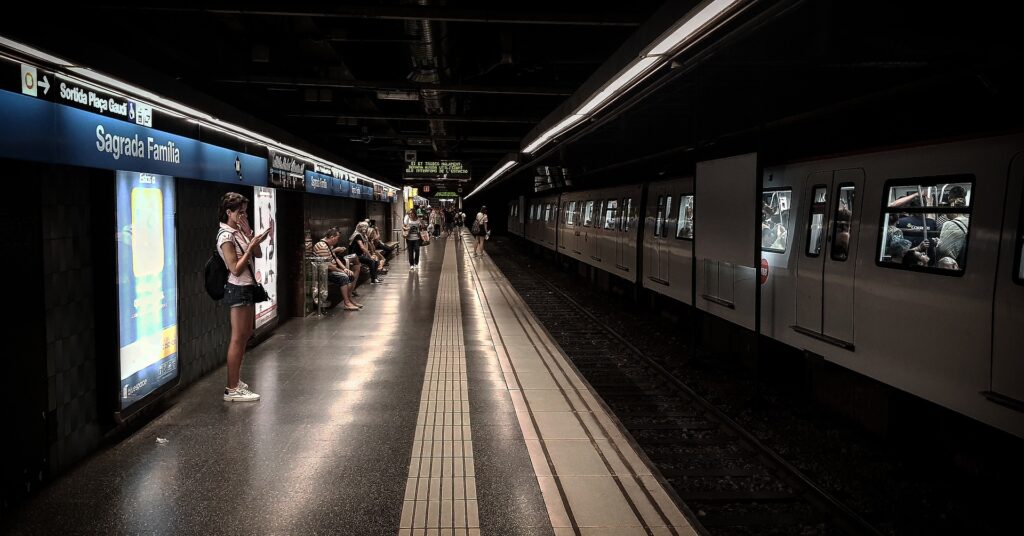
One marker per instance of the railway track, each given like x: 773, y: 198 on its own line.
x: 726, y: 476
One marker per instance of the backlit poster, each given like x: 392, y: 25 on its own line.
x: 266, y: 266
x: 146, y: 284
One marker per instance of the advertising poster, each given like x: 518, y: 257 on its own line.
x: 146, y: 284
x: 265, y: 211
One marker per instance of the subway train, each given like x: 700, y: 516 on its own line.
x: 905, y: 265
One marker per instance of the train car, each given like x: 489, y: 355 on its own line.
x: 600, y: 228
x: 904, y: 266
x: 516, y: 218
x: 668, y: 239
x: 541, y: 221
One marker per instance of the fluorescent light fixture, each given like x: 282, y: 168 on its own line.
x: 171, y: 107
x: 561, y: 127
x: 691, y: 26
x: 497, y: 173
x: 611, y: 90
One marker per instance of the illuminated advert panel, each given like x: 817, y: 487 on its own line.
x: 147, y: 293
x: 265, y: 211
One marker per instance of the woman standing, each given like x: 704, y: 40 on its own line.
x: 411, y: 228
x: 480, y: 230
x: 238, y: 246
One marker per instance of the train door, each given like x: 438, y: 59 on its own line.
x: 811, y: 263
x: 664, y: 247
x: 1008, y: 311
x: 682, y: 248
x: 588, y: 220
x: 619, y: 230
x: 826, y: 267
x: 840, y: 266
x: 656, y: 236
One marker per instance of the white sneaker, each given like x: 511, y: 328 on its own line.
x: 412, y: 268
x: 243, y: 385
x: 240, y: 395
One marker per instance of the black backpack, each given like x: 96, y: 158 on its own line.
x: 215, y: 275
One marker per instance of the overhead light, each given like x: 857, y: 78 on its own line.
x: 497, y: 173
x: 637, y: 70
x: 554, y: 131
x: 691, y: 26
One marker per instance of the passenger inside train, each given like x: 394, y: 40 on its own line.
x: 775, y: 220
x: 926, y: 226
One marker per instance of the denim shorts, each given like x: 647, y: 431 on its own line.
x: 238, y: 296
x: 338, y: 278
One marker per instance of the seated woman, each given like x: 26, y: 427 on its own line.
x: 375, y: 252
x: 357, y: 246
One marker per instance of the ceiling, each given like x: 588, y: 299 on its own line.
x: 364, y: 80
x: 370, y: 80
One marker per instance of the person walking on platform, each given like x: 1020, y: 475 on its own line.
x: 411, y: 228
x: 238, y: 246
x: 481, y: 230
x: 436, y: 221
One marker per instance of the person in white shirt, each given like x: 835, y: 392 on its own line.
x: 237, y: 245
x: 480, y: 230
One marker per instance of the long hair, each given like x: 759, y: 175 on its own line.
x: 361, y: 228
x: 231, y: 201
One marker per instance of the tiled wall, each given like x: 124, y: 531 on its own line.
x: 69, y: 245
x: 23, y: 386
x: 324, y: 212
x: 204, y: 327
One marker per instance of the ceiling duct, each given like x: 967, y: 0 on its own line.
x: 426, y: 71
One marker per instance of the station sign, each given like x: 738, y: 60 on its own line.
x: 436, y: 169
x: 286, y: 171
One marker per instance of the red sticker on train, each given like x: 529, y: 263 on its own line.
x: 764, y: 271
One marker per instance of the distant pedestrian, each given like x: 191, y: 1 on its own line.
x: 481, y: 230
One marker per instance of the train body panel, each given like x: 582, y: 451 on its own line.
x: 724, y: 247
x: 835, y: 291
x: 905, y: 265
x: 1008, y: 310
x: 600, y: 228
x: 541, y: 221
x: 516, y: 218
x: 668, y: 239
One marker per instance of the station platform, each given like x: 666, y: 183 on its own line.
x: 443, y: 407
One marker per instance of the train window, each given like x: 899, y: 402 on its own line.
x: 775, y: 219
x: 842, y: 222
x: 547, y: 212
x: 668, y: 216
x: 627, y: 212
x: 926, y: 223
x: 570, y: 214
x: 588, y: 213
x: 816, y: 227
x: 684, y: 222
x: 659, y: 221
x: 611, y: 207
